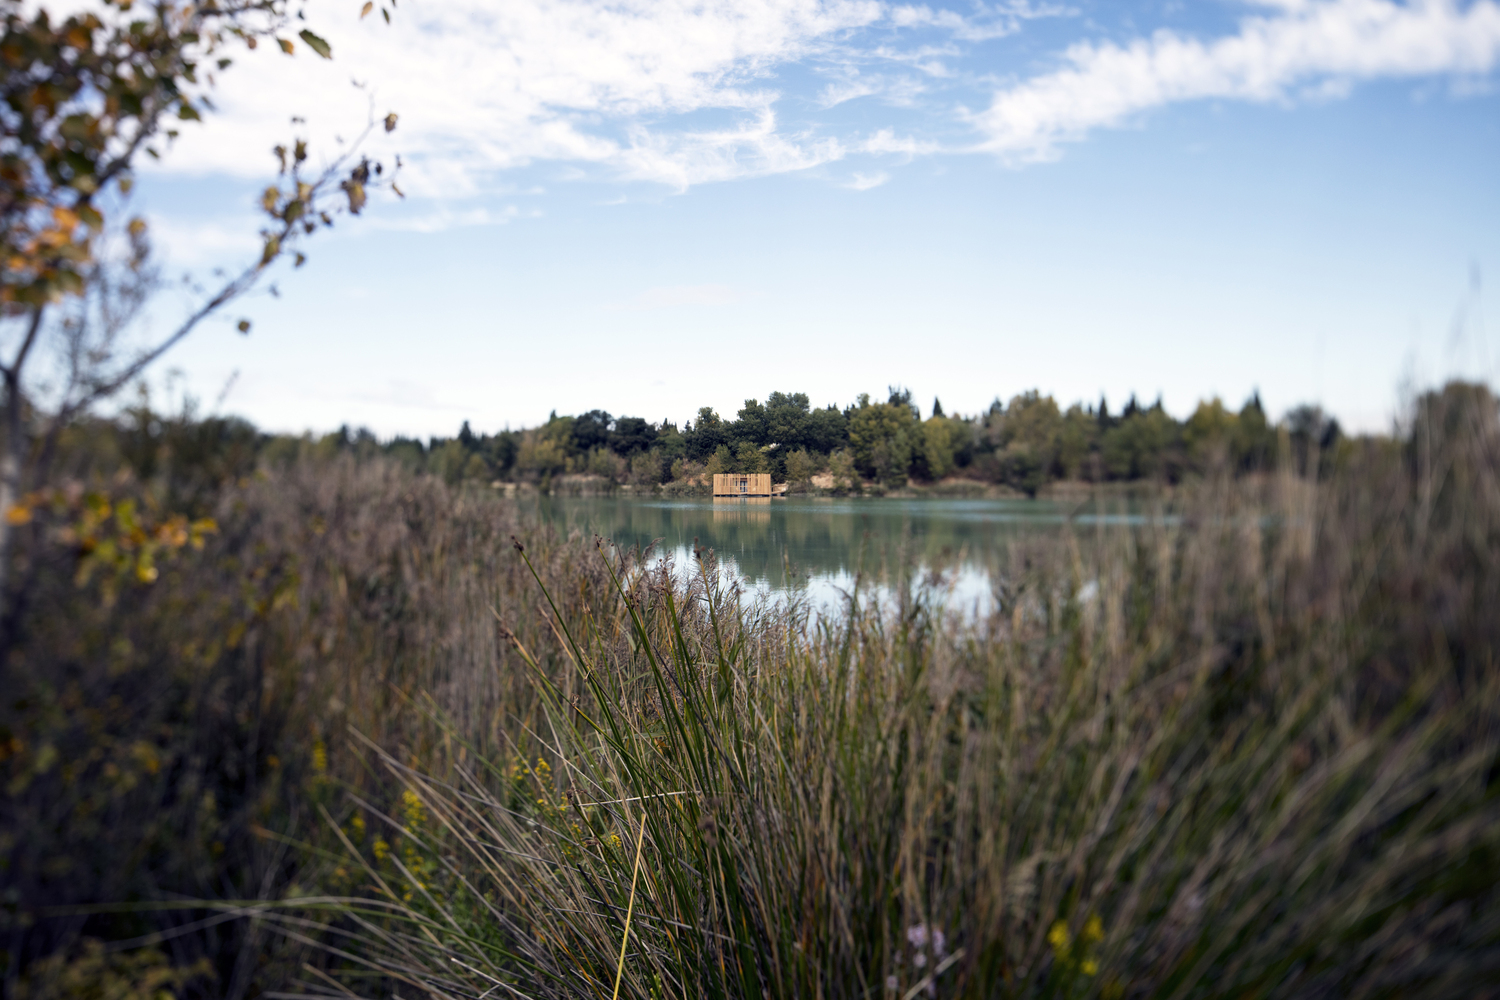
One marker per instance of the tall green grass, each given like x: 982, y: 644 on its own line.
x: 1249, y: 750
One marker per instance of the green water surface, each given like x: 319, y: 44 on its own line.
x: 785, y: 542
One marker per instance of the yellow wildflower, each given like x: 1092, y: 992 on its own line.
x: 1093, y: 929
x: 1058, y: 936
x: 411, y: 805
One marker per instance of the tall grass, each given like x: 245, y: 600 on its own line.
x: 1247, y: 751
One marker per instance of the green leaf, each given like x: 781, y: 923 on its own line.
x: 315, y: 43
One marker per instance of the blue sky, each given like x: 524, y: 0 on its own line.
x: 649, y: 206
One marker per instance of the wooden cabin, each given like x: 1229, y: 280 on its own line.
x: 750, y: 484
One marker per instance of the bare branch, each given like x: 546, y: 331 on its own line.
x: 12, y: 371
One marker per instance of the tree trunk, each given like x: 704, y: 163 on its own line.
x: 12, y: 459
x: 10, y: 477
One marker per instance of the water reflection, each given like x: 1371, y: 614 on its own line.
x: 817, y: 548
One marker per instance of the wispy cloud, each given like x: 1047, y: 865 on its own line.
x: 986, y: 22
x: 687, y: 92
x: 749, y: 149
x: 886, y: 142
x: 485, y: 87
x: 1315, y: 48
x: 864, y: 182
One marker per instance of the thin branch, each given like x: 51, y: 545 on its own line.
x: 230, y: 291
x: 12, y: 372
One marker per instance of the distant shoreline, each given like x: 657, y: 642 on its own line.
x: 953, y: 488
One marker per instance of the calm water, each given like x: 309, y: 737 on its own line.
x: 817, y: 548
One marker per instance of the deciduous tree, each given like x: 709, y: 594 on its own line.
x: 83, y: 97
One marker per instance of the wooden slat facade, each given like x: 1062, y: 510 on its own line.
x: 753, y: 484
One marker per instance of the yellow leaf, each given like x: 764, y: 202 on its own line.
x: 18, y: 515
x: 286, y: 46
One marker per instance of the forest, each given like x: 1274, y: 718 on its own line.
x: 874, y: 446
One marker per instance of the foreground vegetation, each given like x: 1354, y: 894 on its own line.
x: 362, y: 741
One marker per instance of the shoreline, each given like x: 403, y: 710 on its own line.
x: 946, y: 489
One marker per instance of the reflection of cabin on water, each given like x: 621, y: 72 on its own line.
x: 752, y: 510
x: 751, y: 484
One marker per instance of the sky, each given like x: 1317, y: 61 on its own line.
x: 648, y: 206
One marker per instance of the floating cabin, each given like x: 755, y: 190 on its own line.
x: 754, y: 484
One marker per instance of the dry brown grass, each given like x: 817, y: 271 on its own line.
x: 1250, y: 750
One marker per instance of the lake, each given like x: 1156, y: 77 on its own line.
x: 816, y: 548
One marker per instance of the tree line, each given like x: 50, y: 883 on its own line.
x: 882, y: 444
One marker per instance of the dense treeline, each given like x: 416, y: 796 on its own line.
x: 1023, y: 444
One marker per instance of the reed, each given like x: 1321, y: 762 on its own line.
x: 1248, y: 748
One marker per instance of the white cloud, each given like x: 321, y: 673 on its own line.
x: 864, y: 182
x: 482, y: 87
x: 847, y: 90
x: 887, y: 142
x: 685, y: 92
x: 611, y: 88
x: 1314, y: 46
x: 898, y: 90
x: 750, y: 149
x: 988, y: 21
